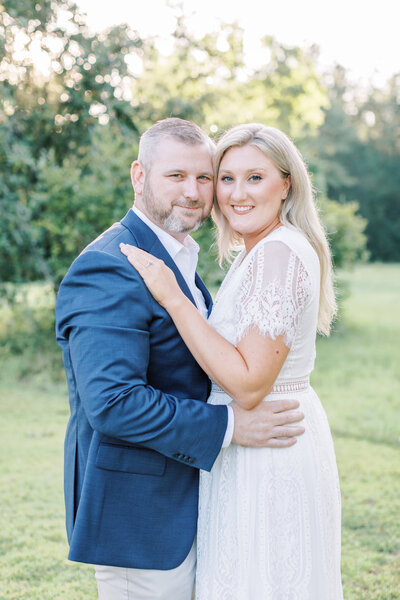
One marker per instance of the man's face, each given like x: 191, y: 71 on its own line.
x: 178, y: 189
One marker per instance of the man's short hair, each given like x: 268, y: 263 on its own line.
x: 184, y: 131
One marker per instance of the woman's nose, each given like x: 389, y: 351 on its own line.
x: 238, y: 191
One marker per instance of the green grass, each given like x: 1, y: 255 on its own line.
x: 33, y: 544
x: 358, y: 379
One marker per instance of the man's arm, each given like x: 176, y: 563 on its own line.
x: 104, y: 311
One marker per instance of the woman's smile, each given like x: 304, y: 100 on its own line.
x: 241, y: 209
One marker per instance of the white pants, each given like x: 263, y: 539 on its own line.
x: 118, y: 583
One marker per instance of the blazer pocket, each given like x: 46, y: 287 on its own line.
x: 142, y: 461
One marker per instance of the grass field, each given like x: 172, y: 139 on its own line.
x: 358, y: 379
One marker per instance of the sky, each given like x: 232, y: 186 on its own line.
x: 361, y: 35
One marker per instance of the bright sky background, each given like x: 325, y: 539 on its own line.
x: 361, y: 35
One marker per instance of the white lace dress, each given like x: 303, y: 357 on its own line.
x: 269, y: 519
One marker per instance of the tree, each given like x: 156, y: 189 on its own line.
x: 69, y: 133
x: 52, y: 116
x: 356, y: 156
x: 345, y: 230
x: 378, y: 172
x: 87, y: 195
x: 206, y: 80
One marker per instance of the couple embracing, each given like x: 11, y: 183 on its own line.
x: 197, y: 454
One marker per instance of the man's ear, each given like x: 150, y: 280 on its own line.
x: 137, y: 177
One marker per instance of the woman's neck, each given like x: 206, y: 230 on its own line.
x: 251, y: 240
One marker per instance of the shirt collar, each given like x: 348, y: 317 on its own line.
x: 172, y: 245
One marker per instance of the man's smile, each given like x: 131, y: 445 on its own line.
x: 188, y: 207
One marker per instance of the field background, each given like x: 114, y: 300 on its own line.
x: 358, y: 379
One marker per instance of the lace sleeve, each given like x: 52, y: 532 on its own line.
x: 273, y: 293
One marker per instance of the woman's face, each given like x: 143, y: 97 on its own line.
x: 250, y: 191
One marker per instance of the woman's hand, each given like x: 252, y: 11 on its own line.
x: 159, y: 278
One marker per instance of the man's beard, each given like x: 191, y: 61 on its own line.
x: 166, y: 218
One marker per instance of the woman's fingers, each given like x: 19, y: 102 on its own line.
x: 159, y: 279
x: 146, y: 265
x: 137, y: 256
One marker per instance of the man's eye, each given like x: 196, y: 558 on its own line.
x: 205, y: 178
x: 176, y: 175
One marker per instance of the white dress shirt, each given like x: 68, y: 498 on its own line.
x: 185, y: 256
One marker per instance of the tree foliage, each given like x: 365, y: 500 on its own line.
x: 206, y: 81
x: 49, y: 129
x: 357, y: 158
x: 69, y: 130
x: 345, y: 230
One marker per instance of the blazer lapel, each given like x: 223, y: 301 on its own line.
x: 147, y: 240
x: 206, y: 294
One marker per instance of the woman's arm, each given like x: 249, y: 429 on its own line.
x: 246, y: 372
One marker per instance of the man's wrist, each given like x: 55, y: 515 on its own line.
x: 229, y: 428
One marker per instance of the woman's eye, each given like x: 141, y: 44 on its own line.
x: 255, y: 178
x: 226, y: 179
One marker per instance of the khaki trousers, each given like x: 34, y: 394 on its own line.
x: 118, y: 583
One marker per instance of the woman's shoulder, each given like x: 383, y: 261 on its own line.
x: 295, y: 240
x: 286, y: 242
x: 288, y: 235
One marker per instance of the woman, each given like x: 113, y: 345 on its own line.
x: 269, y: 519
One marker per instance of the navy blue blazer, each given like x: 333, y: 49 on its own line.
x: 140, y: 427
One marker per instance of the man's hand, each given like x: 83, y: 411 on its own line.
x: 270, y: 424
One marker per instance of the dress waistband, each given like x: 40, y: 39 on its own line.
x: 295, y: 385
x: 282, y: 387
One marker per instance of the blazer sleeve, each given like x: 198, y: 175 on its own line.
x: 103, y: 314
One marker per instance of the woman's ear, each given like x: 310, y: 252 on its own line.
x: 286, y: 187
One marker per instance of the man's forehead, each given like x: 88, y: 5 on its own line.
x: 183, y: 155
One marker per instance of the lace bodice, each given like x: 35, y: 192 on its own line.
x: 274, y: 289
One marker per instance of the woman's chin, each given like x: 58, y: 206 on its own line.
x: 242, y: 229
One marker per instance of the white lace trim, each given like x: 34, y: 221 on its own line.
x: 273, y: 293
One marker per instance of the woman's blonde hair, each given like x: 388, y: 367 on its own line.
x: 298, y: 209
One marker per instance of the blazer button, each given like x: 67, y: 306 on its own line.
x: 177, y: 455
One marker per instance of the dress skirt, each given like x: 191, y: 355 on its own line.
x: 270, y: 518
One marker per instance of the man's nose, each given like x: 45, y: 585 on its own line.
x: 191, y: 189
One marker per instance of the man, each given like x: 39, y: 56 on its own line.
x: 140, y: 428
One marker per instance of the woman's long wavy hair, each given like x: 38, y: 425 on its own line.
x: 298, y: 210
